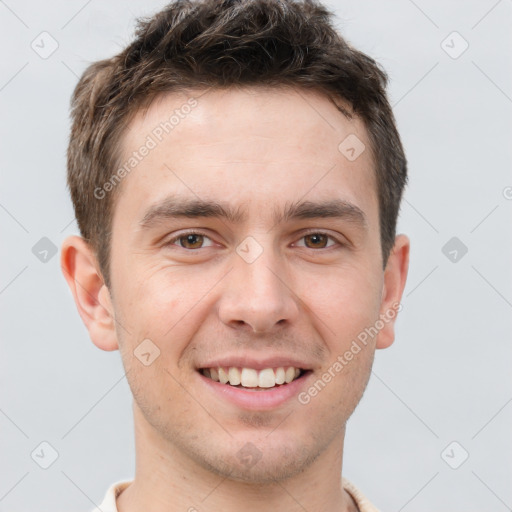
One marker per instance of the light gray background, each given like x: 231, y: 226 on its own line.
x: 447, y: 376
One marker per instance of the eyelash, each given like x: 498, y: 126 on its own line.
x: 200, y: 233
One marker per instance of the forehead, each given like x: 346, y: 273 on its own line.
x: 246, y: 146
x: 250, y: 111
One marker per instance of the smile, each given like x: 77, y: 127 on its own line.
x: 251, y: 378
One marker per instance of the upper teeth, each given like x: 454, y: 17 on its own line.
x: 250, y: 378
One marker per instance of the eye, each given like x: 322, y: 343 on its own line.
x: 193, y: 240
x: 190, y: 240
x: 318, y: 240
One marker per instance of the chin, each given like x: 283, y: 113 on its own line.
x: 257, y: 461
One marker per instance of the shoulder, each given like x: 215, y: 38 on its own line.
x: 362, y: 502
x: 109, y: 501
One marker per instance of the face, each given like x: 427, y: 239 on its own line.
x: 246, y: 247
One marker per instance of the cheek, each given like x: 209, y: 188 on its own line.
x: 151, y: 299
x: 159, y: 396
x: 166, y: 305
x: 332, y: 400
x: 349, y: 304
x: 344, y: 304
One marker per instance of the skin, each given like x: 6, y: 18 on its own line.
x: 257, y: 149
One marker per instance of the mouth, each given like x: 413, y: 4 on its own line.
x: 254, y: 380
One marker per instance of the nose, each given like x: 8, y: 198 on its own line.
x: 258, y: 296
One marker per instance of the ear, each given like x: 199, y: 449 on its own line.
x: 395, y: 276
x: 92, y: 297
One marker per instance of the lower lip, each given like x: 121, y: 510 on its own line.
x: 257, y: 400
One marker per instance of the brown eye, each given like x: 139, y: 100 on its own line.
x: 191, y: 241
x: 317, y: 240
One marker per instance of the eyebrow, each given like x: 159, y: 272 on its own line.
x: 178, y: 207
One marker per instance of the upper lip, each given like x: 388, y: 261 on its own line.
x: 255, y: 363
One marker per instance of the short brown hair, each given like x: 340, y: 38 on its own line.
x: 195, y: 44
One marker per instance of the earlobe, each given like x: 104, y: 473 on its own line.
x: 92, y: 297
x: 395, y: 277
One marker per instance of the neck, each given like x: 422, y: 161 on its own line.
x: 167, y: 480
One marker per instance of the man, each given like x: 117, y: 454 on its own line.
x: 236, y: 175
